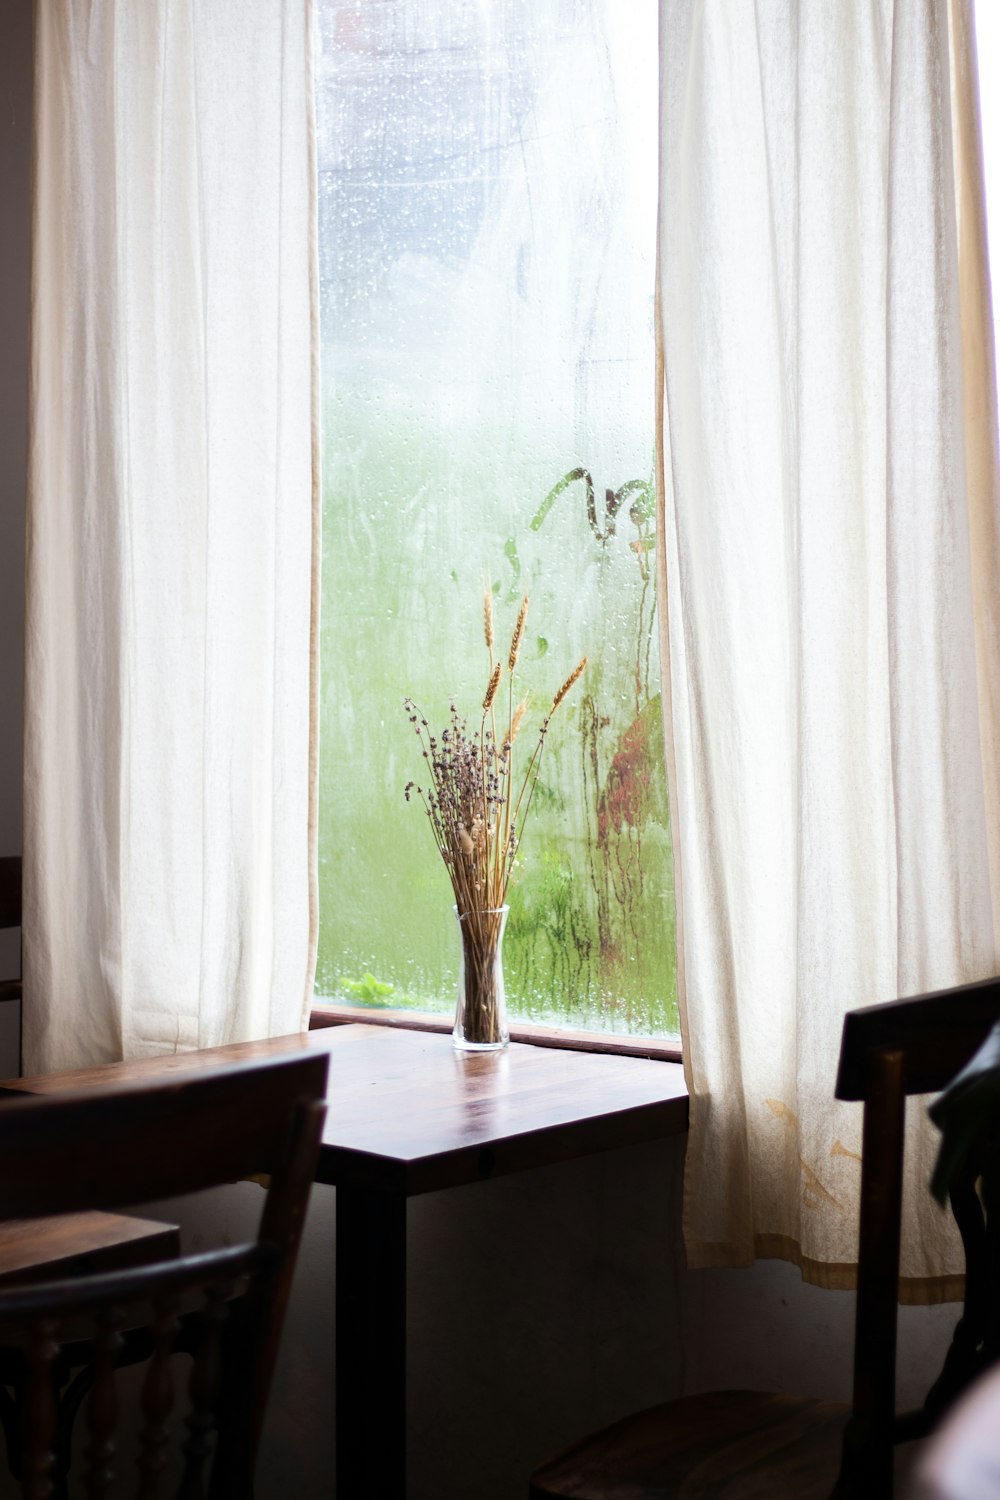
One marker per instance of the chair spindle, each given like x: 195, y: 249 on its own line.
x: 39, y: 1413
x: 102, y: 1410
x: 204, y: 1390
x: 157, y: 1400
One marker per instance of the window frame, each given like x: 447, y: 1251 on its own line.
x: 326, y: 1013
x: 335, y: 1009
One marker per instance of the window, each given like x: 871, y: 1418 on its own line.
x: 487, y: 232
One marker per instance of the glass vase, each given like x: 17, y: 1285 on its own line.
x: 481, y: 1013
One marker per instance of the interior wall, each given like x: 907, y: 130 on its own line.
x: 15, y: 187
x: 539, y: 1305
x: 15, y: 244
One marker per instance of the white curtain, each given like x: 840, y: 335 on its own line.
x: 172, y: 530
x: 831, y: 579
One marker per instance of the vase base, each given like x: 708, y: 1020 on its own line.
x: 462, y: 1044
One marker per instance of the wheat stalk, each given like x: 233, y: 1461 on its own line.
x: 488, y: 620
x: 570, y: 680
x: 491, y: 690
x: 503, y: 822
x: 517, y: 637
x: 515, y: 725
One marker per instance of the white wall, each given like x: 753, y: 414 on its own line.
x: 540, y: 1305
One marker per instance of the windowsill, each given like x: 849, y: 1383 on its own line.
x: 327, y: 1014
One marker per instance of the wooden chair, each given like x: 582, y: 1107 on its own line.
x: 750, y: 1445
x: 74, y: 1243
x: 124, y: 1144
x: 71, y: 1244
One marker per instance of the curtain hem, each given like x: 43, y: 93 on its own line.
x: 832, y: 1276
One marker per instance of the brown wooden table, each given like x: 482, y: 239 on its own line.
x: 408, y: 1115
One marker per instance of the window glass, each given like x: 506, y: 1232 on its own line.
x: 487, y: 232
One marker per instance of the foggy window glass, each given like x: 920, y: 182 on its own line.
x: 487, y: 240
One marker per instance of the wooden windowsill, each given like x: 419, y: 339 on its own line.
x: 522, y: 1031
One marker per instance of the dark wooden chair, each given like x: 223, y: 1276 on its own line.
x: 70, y: 1244
x: 221, y: 1310
x: 74, y: 1243
x: 751, y: 1445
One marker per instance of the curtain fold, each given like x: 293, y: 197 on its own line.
x: 830, y: 574
x: 172, y: 530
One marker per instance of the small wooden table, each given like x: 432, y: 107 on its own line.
x: 407, y: 1114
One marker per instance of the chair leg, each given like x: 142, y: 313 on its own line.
x: 69, y: 1402
x: 866, y: 1468
x: 11, y: 1435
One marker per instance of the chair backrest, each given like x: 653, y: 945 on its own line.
x: 887, y: 1053
x: 129, y: 1144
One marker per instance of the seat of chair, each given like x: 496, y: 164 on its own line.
x: 81, y: 1243
x: 730, y: 1445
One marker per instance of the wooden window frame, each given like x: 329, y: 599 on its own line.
x: 656, y: 1049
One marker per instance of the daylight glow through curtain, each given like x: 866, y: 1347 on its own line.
x: 831, y: 570
x: 170, y: 763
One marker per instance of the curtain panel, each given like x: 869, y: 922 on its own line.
x: 170, y: 897
x: 830, y: 575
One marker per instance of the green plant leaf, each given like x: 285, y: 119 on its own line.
x: 369, y: 990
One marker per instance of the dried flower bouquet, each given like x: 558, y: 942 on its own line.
x: 477, y: 809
